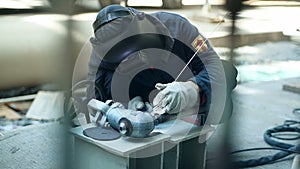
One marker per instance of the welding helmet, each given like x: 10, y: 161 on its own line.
x: 110, y: 13
x: 120, y: 31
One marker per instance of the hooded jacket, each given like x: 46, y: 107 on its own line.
x: 206, y: 68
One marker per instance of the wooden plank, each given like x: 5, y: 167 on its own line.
x: 47, y: 105
x: 9, y: 113
x: 18, y: 98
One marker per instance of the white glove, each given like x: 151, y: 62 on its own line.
x: 176, y: 96
x: 137, y: 104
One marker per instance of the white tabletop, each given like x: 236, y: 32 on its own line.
x: 174, y: 131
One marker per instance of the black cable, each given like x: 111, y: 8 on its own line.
x: 269, y: 137
x: 282, y: 138
x: 289, y: 138
x: 265, y: 148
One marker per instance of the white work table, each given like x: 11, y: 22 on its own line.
x: 170, y: 145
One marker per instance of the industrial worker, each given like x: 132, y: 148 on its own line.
x: 136, y: 58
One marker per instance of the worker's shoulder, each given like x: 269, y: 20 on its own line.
x: 169, y: 17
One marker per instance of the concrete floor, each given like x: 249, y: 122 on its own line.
x: 258, y: 106
x: 36, y: 146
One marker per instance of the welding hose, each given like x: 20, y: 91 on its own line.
x: 286, y: 149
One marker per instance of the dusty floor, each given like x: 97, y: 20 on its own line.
x: 258, y: 106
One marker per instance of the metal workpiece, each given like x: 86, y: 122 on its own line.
x: 128, y: 122
x: 95, y: 106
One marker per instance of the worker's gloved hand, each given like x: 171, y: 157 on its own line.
x: 176, y: 96
x: 137, y: 104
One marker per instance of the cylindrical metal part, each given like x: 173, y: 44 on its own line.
x: 129, y: 122
x: 125, y: 127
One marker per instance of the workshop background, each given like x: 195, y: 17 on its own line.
x: 41, y: 42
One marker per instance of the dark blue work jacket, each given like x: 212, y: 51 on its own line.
x: 205, y: 67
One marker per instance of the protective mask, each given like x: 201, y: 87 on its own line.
x: 124, y: 36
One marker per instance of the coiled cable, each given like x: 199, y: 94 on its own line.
x: 271, y: 138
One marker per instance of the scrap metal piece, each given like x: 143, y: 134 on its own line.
x: 102, y: 133
x: 128, y: 122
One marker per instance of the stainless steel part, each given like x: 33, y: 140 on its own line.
x: 127, y: 122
